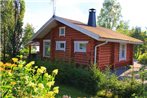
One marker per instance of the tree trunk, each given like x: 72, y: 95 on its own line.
x: 4, y: 53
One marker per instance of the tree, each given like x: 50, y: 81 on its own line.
x: 123, y: 27
x: 109, y: 14
x: 139, y: 49
x: 12, y: 14
x: 28, y: 33
x: 6, y: 24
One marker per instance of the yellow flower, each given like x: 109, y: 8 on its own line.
x: 49, y: 84
x: 20, y: 65
x: 26, y: 78
x: 13, y: 83
x: 7, y: 64
x: 1, y: 69
x: 1, y: 63
x: 9, y: 73
x: 55, y: 71
x: 43, y: 68
x: 15, y: 60
x: 32, y: 62
x: 40, y: 85
x: 50, y: 94
x: 46, y: 75
x: 28, y: 65
x: 36, y: 67
x: 56, y: 90
x: 13, y: 65
x: 32, y: 84
x: 39, y: 71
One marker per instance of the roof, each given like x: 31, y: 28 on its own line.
x: 97, y: 33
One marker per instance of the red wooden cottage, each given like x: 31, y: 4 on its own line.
x: 70, y: 40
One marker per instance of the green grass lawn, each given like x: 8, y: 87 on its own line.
x: 76, y: 93
x: 70, y: 91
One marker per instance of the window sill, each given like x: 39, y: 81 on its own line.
x: 80, y: 52
x: 61, y: 35
x: 60, y: 50
x: 122, y: 59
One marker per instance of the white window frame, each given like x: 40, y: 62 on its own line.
x: 44, y: 55
x: 60, y: 34
x: 58, y: 45
x: 120, y: 51
x: 77, y: 46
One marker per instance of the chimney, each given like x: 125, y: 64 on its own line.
x: 92, y: 17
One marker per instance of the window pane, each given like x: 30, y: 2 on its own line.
x: 47, y: 48
x: 123, y: 54
x: 62, y: 31
x: 122, y: 51
x: 123, y: 47
x: 46, y: 43
x: 61, y: 45
x: 82, y: 46
x: 47, y: 51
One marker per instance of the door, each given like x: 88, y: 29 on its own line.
x: 46, y: 48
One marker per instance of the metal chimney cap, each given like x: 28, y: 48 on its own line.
x: 92, y: 10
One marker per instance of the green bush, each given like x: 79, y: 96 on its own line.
x: 84, y: 79
x: 143, y: 59
x: 90, y: 80
x: 126, y: 89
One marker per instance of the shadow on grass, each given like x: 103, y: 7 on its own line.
x: 70, y: 91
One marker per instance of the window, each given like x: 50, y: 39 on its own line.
x: 80, y: 46
x: 60, y: 45
x: 46, y: 48
x: 62, y: 31
x: 122, y: 52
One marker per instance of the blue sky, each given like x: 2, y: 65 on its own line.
x: 39, y: 11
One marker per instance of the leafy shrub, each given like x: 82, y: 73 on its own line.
x: 143, y: 59
x: 24, y: 51
x: 69, y: 74
x: 19, y: 79
x: 90, y: 80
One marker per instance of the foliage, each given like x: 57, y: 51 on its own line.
x: 143, y: 76
x: 109, y: 14
x: 6, y: 14
x: 139, y: 49
x: 123, y: 27
x: 143, y: 58
x: 24, y: 51
x: 91, y: 80
x: 70, y: 75
x: 28, y: 33
x: 12, y: 13
x: 71, y: 91
x: 22, y: 80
